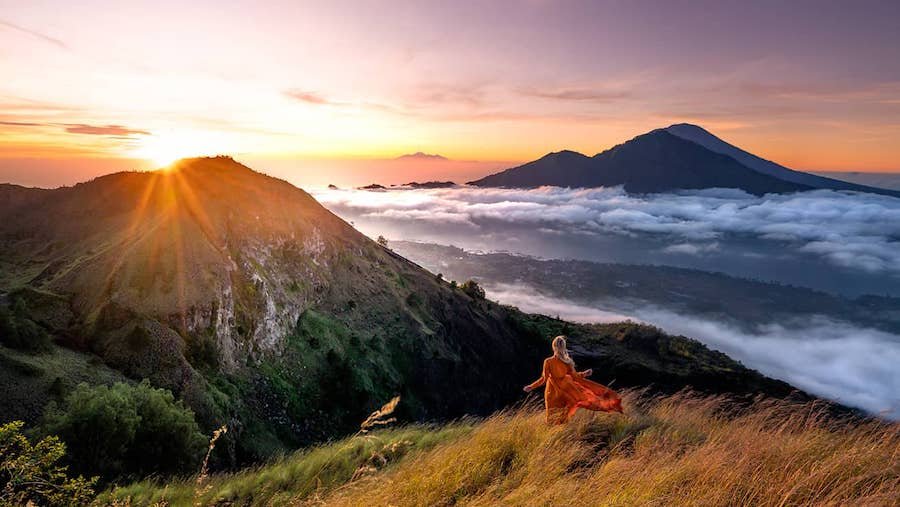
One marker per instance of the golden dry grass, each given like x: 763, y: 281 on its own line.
x: 679, y: 450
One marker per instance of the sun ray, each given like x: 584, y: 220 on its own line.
x: 195, y: 208
x: 129, y: 237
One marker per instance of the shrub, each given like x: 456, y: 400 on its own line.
x: 382, y: 241
x: 202, y: 351
x: 17, y: 331
x: 30, y: 473
x: 472, y: 288
x: 126, y: 430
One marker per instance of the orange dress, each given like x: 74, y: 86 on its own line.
x: 567, y: 390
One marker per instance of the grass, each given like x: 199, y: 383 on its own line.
x: 290, y: 479
x: 684, y: 449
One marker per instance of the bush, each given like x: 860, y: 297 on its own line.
x: 29, y: 473
x: 126, y: 430
x: 17, y: 331
x: 472, y: 288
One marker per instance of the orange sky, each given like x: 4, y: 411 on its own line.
x: 307, y: 87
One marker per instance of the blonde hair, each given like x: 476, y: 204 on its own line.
x: 561, y: 352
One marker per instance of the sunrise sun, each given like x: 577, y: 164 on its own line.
x: 164, y: 149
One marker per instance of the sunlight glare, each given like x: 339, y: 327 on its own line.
x: 165, y: 149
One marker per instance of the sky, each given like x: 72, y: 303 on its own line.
x: 336, y: 90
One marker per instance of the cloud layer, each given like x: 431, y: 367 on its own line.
x: 851, y: 230
x: 529, y: 300
x: 851, y: 365
x: 833, y: 359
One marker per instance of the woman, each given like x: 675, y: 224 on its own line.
x: 568, y: 390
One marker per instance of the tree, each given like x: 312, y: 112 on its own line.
x: 382, y: 241
x: 126, y: 430
x: 472, y: 288
x: 30, y: 473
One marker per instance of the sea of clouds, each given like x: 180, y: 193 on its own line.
x: 833, y: 359
x: 845, y: 241
x: 845, y: 229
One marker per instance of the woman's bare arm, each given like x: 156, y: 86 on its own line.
x: 539, y: 382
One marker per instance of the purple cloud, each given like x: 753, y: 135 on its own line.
x: 308, y: 97
x: 103, y: 130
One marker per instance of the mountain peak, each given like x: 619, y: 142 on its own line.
x: 563, y: 155
x: 419, y: 155
x: 567, y: 153
x: 555, y: 169
x: 217, y: 162
x: 680, y: 156
x: 657, y: 161
x: 684, y: 125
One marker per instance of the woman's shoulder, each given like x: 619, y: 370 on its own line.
x: 551, y: 359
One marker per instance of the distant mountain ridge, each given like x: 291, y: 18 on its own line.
x: 707, y: 140
x: 886, y: 180
x: 429, y: 184
x: 419, y: 155
x: 679, y: 157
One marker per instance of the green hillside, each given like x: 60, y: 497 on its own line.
x: 679, y: 450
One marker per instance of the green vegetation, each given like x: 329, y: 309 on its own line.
x: 18, y: 331
x: 30, y: 473
x: 126, y: 430
x: 300, y: 476
x: 472, y: 288
x: 326, y: 379
x: 28, y: 382
x: 684, y: 449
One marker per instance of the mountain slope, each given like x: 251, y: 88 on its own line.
x: 707, y: 140
x: 677, y: 450
x: 654, y: 162
x: 266, y: 312
x: 560, y: 169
